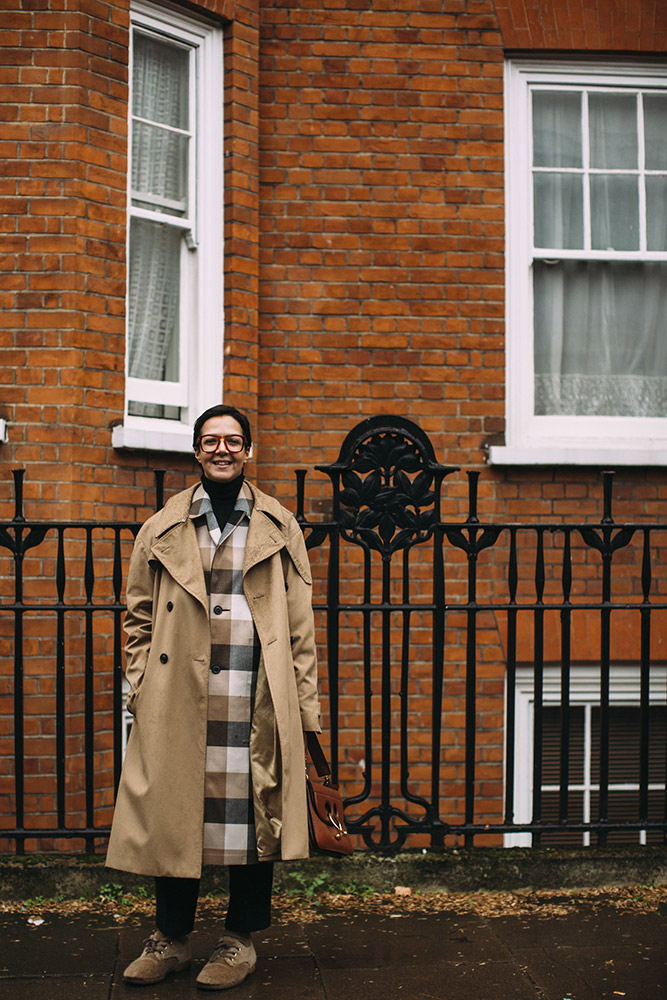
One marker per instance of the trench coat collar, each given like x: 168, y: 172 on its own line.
x: 175, y: 542
x: 202, y: 507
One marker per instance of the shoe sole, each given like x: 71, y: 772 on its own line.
x: 210, y: 986
x: 133, y: 981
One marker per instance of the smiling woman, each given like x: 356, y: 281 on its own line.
x: 222, y: 672
x: 217, y: 449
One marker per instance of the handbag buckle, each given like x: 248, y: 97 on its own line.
x: 337, y: 823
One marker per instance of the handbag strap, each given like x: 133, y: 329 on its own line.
x: 316, y: 755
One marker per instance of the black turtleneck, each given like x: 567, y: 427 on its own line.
x: 223, y: 496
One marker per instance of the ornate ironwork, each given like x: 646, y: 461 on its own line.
x: 386, y: 516
x: 391, y: 485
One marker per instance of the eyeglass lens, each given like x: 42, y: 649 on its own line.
x: 211, y: 442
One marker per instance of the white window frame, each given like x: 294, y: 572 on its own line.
x: 624, y: 691
x: 557, y: 440
x: 202, y: 260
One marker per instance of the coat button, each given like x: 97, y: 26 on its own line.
x: 163, y: 658
x: 217, y: 610
x: 215, y: 669
x: 170, y: 606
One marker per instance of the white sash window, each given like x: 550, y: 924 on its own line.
x: 587, y: 265
x: 175, y: 219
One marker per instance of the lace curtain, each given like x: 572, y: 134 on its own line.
x: 600, y: 326
x: 159, y: 183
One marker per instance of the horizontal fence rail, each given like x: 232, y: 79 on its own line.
x: 452, y: 670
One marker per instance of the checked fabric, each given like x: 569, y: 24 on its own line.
x: 229, y: 827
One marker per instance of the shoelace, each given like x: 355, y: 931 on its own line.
x: 226, y: 948
x: 153, y: 944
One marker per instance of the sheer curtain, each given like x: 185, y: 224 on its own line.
x: 600, y: 327
x: 159, y: 183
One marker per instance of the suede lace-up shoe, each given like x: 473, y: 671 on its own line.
x: 231, y: 961
x: 160, y: 956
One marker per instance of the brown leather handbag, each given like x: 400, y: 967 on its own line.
x: 327, y: 832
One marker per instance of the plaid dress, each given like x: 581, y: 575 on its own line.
x: 229, y: 825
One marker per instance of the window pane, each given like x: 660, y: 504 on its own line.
x: 551, y: 745
x: 600, y: 344
x: 550, y: 809
x: 612, y: 121
x: 159, y: 168
x: 558, y: 212
x: 614, y: 212
x: 656, y: 213
x: 153, y: 321
x: 655, y: 131
x: 154, y: 410
x: 160, y: 82
x: 556, y: 129
x: 624, y: 742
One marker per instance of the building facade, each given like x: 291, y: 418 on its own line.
x: 448, y: 210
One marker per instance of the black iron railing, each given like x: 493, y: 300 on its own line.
x: 431, y: 619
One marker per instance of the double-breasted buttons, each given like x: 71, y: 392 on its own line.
x: 164, y: 658
x: 170, y: 605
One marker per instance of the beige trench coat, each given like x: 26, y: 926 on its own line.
x: 158, y: 820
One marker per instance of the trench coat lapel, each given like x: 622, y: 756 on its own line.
x: 264, y: 536
x: 175, y: 547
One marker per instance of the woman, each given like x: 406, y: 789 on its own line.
x: 222, y: 671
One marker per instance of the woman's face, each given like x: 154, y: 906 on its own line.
x: 221, y: 466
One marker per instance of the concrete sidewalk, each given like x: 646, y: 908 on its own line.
x: 591, y: 954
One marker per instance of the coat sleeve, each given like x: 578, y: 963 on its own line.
x: 299, y: 593
x: 138, y: 623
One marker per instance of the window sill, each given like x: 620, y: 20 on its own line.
x: 573, y: 455
x: 175, y: 439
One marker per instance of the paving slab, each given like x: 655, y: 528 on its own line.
x: 594, y: 954
x: 64, y: 946
x: 598, y: 972
x: 56, y: 988
x: 374, y: 941
x: 441, y: 981
x: 607, y: 925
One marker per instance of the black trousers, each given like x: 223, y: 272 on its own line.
x: 249, y: 907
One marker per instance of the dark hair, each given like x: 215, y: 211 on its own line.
x: 222, y: 410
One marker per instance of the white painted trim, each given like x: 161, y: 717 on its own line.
x: 178, y: 438
x: 584, y: 690
x: 4, y: 438
x: 574, y: 454
x: 546, y: 440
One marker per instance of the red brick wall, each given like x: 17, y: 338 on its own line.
x: 639, y: 26
x: 382, y: 225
